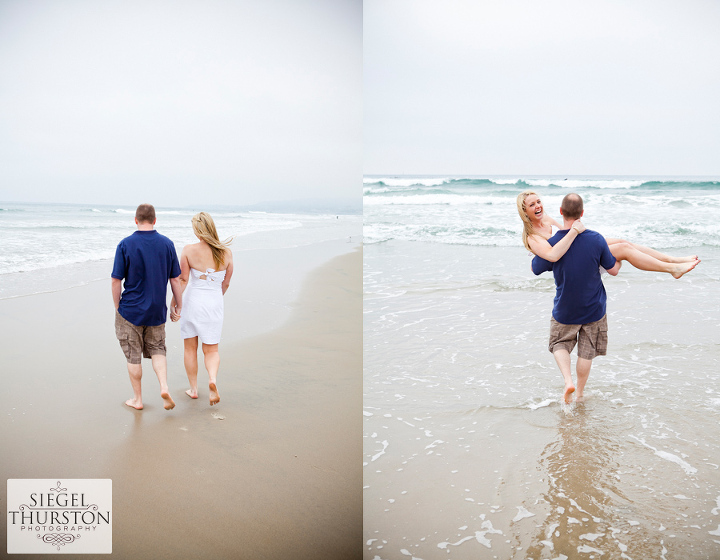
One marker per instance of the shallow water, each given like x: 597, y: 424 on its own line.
x: 468, y: 452
x: 49, y: 247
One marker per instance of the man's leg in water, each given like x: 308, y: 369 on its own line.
x: 583, y: 372
x: 562, y: 357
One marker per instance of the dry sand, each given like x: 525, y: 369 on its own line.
x: 272, y: 471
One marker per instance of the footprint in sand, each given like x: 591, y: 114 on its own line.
x: 218, y: 416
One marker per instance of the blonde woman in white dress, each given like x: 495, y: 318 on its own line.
x: 206, y: 269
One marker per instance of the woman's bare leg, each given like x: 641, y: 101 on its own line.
x: 628, y: 252
x: 212, y: 364
x: 191, y: 365
x: 652, y: 252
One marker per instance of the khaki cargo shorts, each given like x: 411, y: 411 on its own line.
x: 137, y: 342
x: 591, y: 338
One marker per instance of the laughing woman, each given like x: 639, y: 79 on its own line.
x: 537, y: 229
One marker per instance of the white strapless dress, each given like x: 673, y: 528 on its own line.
x: 202, y: 309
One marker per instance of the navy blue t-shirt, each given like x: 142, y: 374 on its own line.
x: 580, y: 296
x: 146, y: 261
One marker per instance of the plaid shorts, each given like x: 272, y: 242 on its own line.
x: 591, y: 338
x: 137, y: 342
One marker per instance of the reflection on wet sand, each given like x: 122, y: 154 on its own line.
x: 590, y: 510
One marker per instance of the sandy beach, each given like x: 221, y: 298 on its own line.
x: 273, y: 471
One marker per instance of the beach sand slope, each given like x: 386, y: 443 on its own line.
x: 272, y: 471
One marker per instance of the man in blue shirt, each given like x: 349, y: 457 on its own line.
x: 146, y: 261
x: 579, y: 313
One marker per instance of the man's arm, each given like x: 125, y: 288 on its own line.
x: 116, y: 291
x: 608, y: 260
x: 177, y: 291
x: 615, y: 269
x: 539, y: 266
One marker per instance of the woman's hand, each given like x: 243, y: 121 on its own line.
x: 578, y: 226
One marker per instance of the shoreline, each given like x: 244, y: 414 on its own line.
x: 272, y: 471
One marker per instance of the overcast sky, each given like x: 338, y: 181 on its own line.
x: 542, y: 87
x: 178, y: 102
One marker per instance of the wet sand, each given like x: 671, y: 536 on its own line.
x: 272, y: 471
x: 469, y: 453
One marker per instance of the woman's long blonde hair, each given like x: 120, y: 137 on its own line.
x: 204, y: 228
x: 528, y: 228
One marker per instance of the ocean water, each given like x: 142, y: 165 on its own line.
x: 468, y: 451
x: 49, y: 247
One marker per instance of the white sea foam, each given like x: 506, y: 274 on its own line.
x: 505, y: 181
x: 542, y: 404
x: 406, y: 181
x: 377, y: 190
x: 489, y: 529
x: 689, y: 469
x: 479, y: 536
x: 434, y: 199
x: 522, y: 514
x: 715, y: 510
x: 585, y: 549
x: 382, y: 452
x: 592, y: 536
x: 444, y: 545
x: 575, y: 184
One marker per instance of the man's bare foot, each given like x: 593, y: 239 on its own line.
x: 214, y: 397
x: 169, y: 403
x: 683, y: 268
x: 192, y: 393
x: 566, y: 395
x: 132, y: 403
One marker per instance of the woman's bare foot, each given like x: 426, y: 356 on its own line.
x: 169, y: 403
x: 691, y: 258
x: 133, y: 403
x: 214, y: 397
x: 683, y: 268
x: 569, y: 390
x: 192, y: 393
